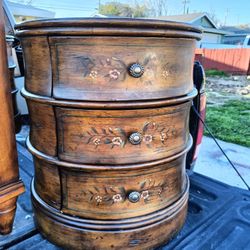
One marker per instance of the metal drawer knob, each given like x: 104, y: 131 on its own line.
x: 135, y: 138
x: 136, y: 70
x: 134, y: 196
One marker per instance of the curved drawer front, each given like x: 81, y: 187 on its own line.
x: 121, y: 137
x: 104, y: 69
x: 42, y: 127
x: 47, y: 182
x: 122, y: 194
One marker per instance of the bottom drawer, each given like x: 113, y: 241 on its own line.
x: 109, y: 192
x: 137, y: 233
x: 122, y: 194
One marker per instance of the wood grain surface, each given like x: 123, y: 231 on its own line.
x: 105, y: 194
x: 38, y: 74
x: 102, y: 137
x: 145, y: 232
x: 10, y: 186
x: 95, y: 186
x: 97, y: 68
x: 43, y: 127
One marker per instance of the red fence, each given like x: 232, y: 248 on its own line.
x: 235, y: 61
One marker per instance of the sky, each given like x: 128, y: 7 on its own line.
x: 228, y: 12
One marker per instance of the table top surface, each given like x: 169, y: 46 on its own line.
x: 108, y: 26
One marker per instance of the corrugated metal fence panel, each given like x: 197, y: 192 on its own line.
x: 228, y: 60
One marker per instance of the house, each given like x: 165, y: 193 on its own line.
x: 211, y: 32
x: 23, y: 12
x: 241, y: 29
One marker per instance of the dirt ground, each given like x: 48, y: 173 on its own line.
x: 221, y: 89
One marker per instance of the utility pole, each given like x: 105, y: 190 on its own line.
x: 226, y: 16
x: 99, y: 6
x: 185, y: 2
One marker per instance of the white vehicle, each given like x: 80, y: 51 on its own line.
x: 240, y: 40
x: 230, y: 42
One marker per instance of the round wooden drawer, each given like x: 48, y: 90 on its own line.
x: 122, y: 194
x: 140, y: 233
x: 108, y: 66
x: 90, y: 136
x: 110, y: 193
x: 102, y: 68
x: 115, y: 137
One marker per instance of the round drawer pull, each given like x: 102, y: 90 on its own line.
x: 134, y: 196
x: 135, y: 138
x: 136, y: 70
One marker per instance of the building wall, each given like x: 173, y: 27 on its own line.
x: 211, y: 38
x: 204, y: 22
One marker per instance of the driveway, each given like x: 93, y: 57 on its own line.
x: 212, y: 163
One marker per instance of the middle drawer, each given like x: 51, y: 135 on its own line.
x: 121, y: 136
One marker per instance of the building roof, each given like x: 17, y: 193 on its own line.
x: 192, y: 18
x: 237, y: 29
x: 187, y: 18
x: 216, y: 31
x: 28, y: 10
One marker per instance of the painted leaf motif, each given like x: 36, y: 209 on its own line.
x: 107, y: 141
x: 146, y: 126
x: 143, y: 184
x: 121, y: 132
x: 104, y: 131
x: 110, y: 130
x: 89, y: 140
x: 94, y: 130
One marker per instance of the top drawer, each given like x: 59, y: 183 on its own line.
x: 90, y: 59
x: 121, y: 68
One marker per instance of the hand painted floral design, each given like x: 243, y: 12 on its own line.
x: 93, y: 74
x: 145, y: 194
x: 99, y: 67
x: 114, y: 74
x: 147, y: 138
x: 164, y: 137
x: 169, y: 69
x: 98, y: 199
x: 117, y: 198
x: 152, y: 133
x: 117, y: 141
x: 111, y: 195
x: 97, y: 141
x: 165, y: 74
x: 115, y: 137
x: 115, y: 69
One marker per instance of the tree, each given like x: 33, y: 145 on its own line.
x: 157, y: 7
x: 124, y: 10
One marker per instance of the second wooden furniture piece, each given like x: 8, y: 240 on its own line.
x: 10, y: 184
x: 14, y: 90
x: 109, y: 103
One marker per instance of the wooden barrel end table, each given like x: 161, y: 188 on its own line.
x: 109, y: 103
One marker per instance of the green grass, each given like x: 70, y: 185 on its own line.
x: 215, y: 72
x: 230, y: 122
